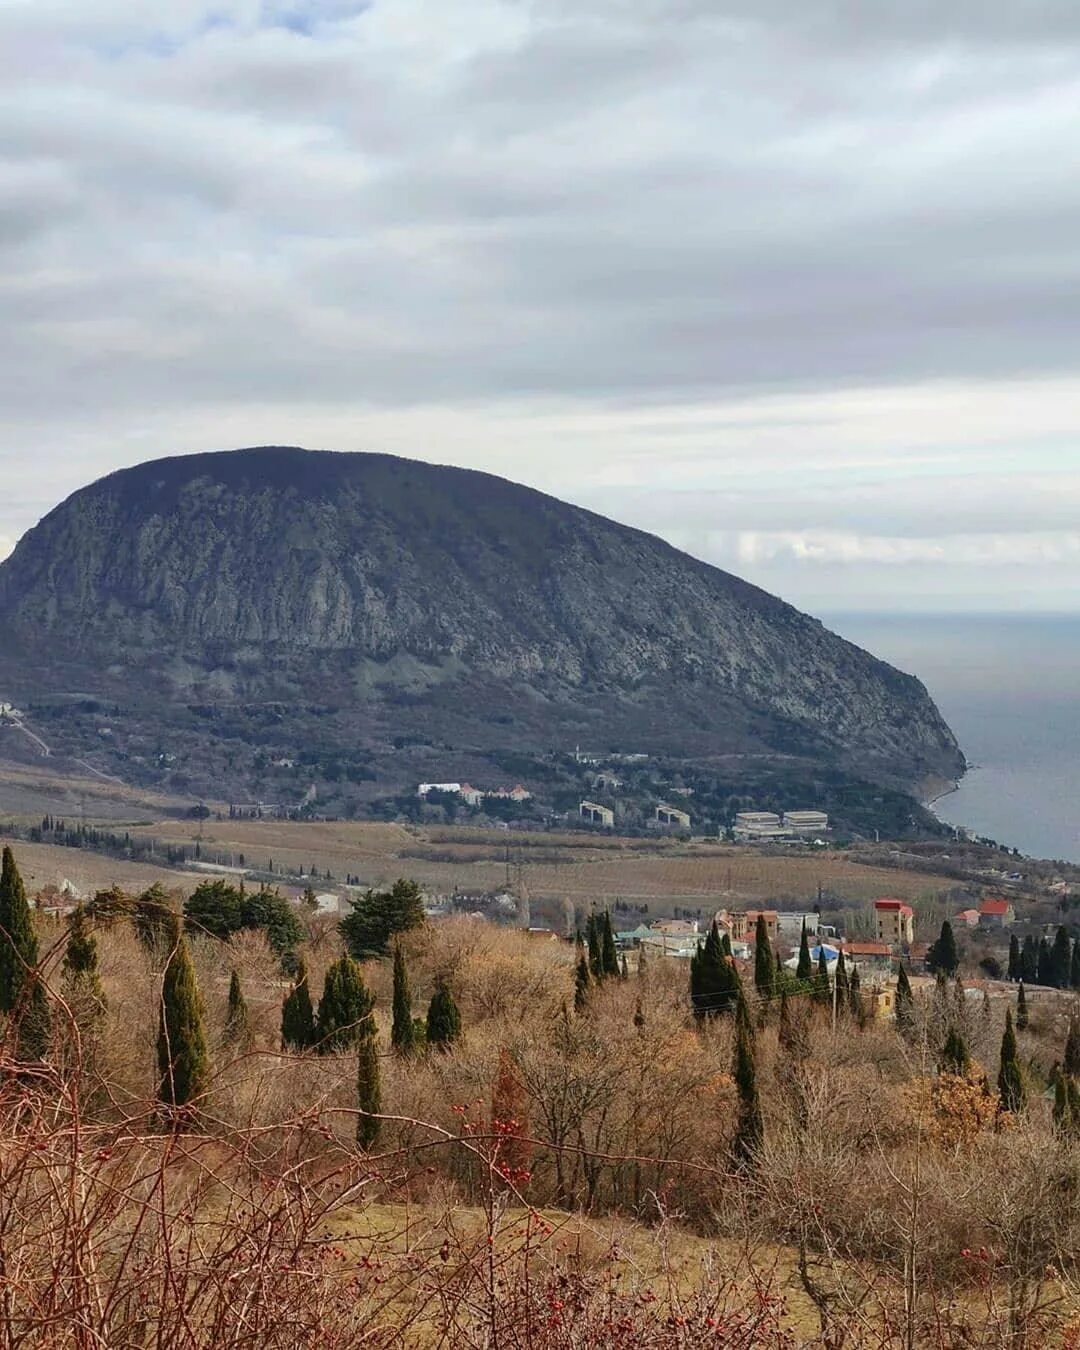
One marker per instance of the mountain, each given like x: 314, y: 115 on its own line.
x: 373, y: 603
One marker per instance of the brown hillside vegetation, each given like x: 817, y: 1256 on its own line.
x: 563, y: 1175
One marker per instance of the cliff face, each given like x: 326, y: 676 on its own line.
x: 280, y: 573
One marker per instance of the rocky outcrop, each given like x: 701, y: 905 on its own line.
x: 279, y: 573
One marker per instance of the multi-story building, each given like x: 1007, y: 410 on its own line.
x: 895, y: 922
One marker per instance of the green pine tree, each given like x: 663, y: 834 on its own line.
x: 1074, y: 967
x: 764, y: 968
x: 841, y: 987
x: 855, y: 995
x: 749, y: 1128
x: 1029, y: 961
x: 805, y: 969
x: 1044, y: 968
x: 344, y: 1009
x: 151, y: 917
x: 297, y: 1014
x: 22, y: 992
x: 443, y: 1019
x: 1021, y: 1008
x: 609, y: 957
x: 237, y: 1020
x: 403, y: 1029
x: 714, y: 982
x: 82, y: 984
x: 1014, y: 958
x: 378, y: 916
x: 1010, y: 1078
x: 582, y: 982
x: 592, y: 942
x: 954, y: 1058
x: 368, y: 1091
x: 1060, y: 961
x: 822, y: 990
x: 904, y: 1011
x: 183, y: 1060
x: 943, y: 955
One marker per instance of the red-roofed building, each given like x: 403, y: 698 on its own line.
x: 895, y: 921
x: 870, y: 957
x: 997, y: 914
x: 968, y: 917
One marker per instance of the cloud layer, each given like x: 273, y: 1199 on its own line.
x: 660, y: 256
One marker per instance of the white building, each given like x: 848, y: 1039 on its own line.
x: 425, y: 788
x: 789, y: 925
x: 810, y: 823
x: 672, y: 815
x: 759, y: 825
x: 597, y: 813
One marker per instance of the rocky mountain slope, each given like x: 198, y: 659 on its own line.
x: 444, y: 606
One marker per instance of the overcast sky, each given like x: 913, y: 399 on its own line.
x: 794, y: 283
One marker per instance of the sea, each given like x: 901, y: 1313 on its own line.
x: 1009, y: 686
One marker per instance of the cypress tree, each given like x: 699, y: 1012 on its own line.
x: 904, y: 1011
x: 822, y: 991
x: 1066, y: 1105
x: 805, y: 968
x: 855, y: 995
x: 344, y: 1009
x: 1021, y: 1009
x: 1029, y: 961
x: 1044, y: 972
x: 713, y: 978
x: 1010, y: 1078
x: 368, y: 1090
x: 749, y: 1128
x: 609, y: 957
x: 786, y: 1033
x: 1060, y: 960
x: 297, y: 1014
x: 943, y: 955
x: 21, y: 989
x: 82, y: 984
x: 842, y: 995
x: 725, y: 945
x: 237, y: 1021
x: 582, y: 982
x: 443, y: 1019
x: 592, y: 940
x: 403, y: 1029
x: 764, y: 969
x: 1014, y: 958
x: 1071, y: 1063
x: 1074, y: 967
x: 954, y: 1055
x: 183, y: 1061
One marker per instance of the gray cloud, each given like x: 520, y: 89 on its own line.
x: 328, y: 216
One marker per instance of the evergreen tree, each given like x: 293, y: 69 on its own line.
x: 1014, y: 958
x: 764, y: 969
x: 725, y: 945
x: 297, y: 1014
x: 1029, y: 961
x: 443, y: 1019
x: 1044, y: 964
x: 379, y: 915
x: 152, y: 917
x: 592, y: 941
x: 855, y: 995
x: 842, y: 992
x: 1060, y: 960
x: 955, y: 1058
x: 1021, y: 1009
x: 268, y: 910
x: 786, y: 1033
x: 749, y: 1128
x: 805, y: 969
x: 1071, y: 1063
x: 1074, y: 967
x: 22, y: 992
x: 822, y: 990
x: 403, y: 1029
x: 214, y: 907
x: 81, y: 982
x: 943, y: 955
x: 1010, y: 1078
x: 368, y: 1090
x: 344, y: 1009
x: 183, y: 1061
x: 714, y: 982
x: 609, y: 957
x: 1066, y: 1105
x: 237, y: 1021
x: 904, y: 1011
x: 582, y: 982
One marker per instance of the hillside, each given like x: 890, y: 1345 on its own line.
x: 280, y: 598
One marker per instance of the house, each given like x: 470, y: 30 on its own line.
x: 871, y: 958
x: 967, y: 918
x: 676, y: 927
x: 832, y: 955
x: 517, y: 793
x: 996, y: 914
x: 425, y: 788
x: 597, y: 814
x: 470, y: 795
x: 808, y: 823
x: 671, y: 815
x: 606, y: 781
x: 633, y: 937
x: 758, y: 825
x: 895, y: 921
x: 789, y: 925
x: 681, y: 945
x: 741, y: 926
